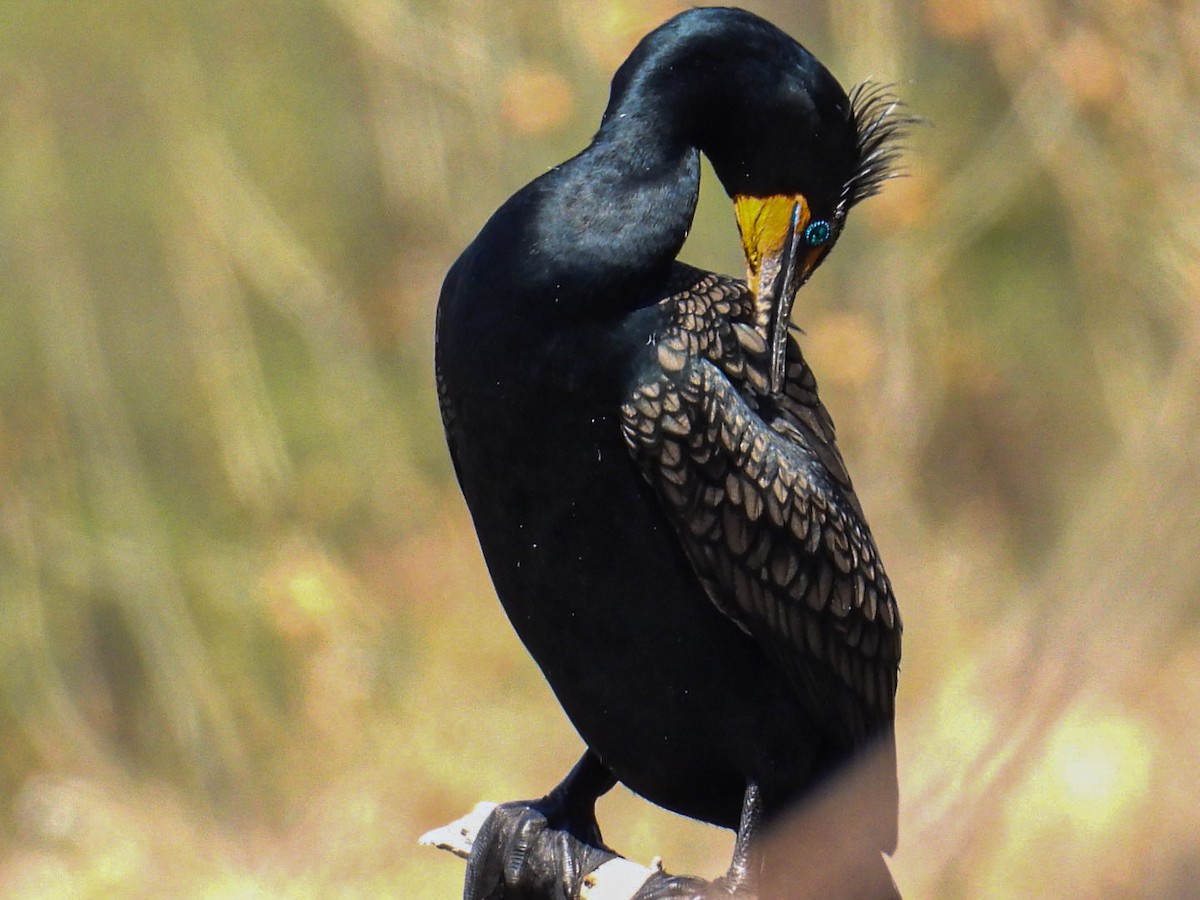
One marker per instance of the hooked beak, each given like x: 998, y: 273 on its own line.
x: 778, y: 261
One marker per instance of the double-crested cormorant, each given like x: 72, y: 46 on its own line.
x: 654, y: 482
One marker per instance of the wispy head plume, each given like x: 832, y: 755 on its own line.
x: 882, y: 124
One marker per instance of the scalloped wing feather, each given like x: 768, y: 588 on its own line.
x: 765, y: 511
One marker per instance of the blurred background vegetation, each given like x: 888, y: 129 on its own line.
x: 247, y: 644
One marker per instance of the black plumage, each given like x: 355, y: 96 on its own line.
x: 655, y: 484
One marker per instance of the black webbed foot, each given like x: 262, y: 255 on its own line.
x: 662, y: 886
x: 524, y: 850
x: 541, y: 848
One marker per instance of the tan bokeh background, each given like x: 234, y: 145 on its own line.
x: 247, y: 644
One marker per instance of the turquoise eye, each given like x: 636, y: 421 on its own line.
x: 817, y: 233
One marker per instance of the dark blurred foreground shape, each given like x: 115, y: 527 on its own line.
x: 240, y: 604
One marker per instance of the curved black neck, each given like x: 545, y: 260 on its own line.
x: 605, y: 226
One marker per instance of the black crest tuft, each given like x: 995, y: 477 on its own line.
x: 881, y: 124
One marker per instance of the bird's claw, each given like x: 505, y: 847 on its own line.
x: 532, y: 849
x: 662, y: 886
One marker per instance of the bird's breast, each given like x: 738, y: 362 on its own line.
x: 675, y: 698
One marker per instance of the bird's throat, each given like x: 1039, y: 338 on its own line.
x: 765, y: 224
x: 769, y: 228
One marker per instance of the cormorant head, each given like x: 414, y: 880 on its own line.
x: 793, y: 150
